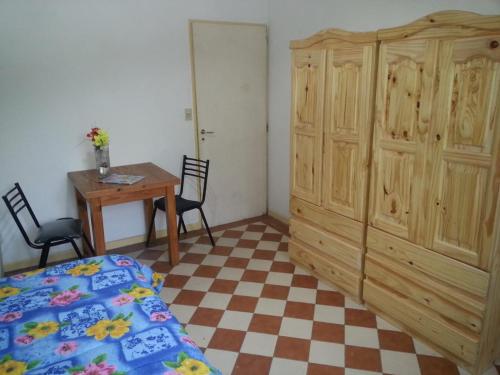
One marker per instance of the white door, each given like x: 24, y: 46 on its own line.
x: 229, y: 62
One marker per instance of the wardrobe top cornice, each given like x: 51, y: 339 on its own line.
x: 451, y: 18
x: 465, y: 22
x: 334, y: 34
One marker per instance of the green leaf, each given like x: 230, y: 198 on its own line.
x: 53, y: 294
x: 129, y: 315
x: 74, y: 369
x: 137, y: 300
x: 30, y: 325
x: 171, y: 364
x: 125, y: 291
x: 24, y: 289
x: 119, y: 316
x: 85, y: 296
x: 6, y: 358
x: 99, y: 359
x: 64, y: 324
x: 183, y: 330
x: 74, y: 287
x: 181, y: 357
x: 33, y: 364
x: 134, y: 285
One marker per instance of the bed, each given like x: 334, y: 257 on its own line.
x: 100, y: 315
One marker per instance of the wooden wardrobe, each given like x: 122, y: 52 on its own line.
x: 333, y: 76
x: 395, y: 175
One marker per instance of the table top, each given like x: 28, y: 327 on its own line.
x: 87, y: 182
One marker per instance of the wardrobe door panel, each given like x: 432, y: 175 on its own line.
x: 308, y: 76
x: 403, y: 108
x: 348, y: 103
x: 464, y: 145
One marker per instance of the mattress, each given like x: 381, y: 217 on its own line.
x: 99, y: 315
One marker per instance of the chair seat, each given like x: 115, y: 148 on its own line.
x: 59, y: 229
x: 181, y: 204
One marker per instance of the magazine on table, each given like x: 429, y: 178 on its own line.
x: 121, y: 179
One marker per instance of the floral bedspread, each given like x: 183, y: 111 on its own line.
x: 94, y: 316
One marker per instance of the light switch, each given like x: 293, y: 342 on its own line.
x: 188, y: 114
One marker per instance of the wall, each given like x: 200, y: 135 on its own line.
x: 297, y: 19
x: 66, y: 65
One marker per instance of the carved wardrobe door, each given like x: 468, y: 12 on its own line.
x: 405, y: 89
x: 308, y: 82
x: 350, y: 76
x: 465, y: 145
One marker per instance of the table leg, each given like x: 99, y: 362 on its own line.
x: 83, y: 214
x: 173, y: 244
x: 148, y: 213
x: 97, y: 227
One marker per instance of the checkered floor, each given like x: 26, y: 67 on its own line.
x: 254, y: 312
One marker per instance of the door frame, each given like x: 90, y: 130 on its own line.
x: 196, y: 129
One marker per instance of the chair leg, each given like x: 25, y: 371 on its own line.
x: 179, y: 225
x: 77, y: 250
x: 183, y: 225
x: 151, y: 226
x: 87, y: 241
x: 206, y: 226
x: 44, y: 256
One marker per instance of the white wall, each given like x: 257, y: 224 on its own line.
x: 120, y: 64
x: 297, y: 19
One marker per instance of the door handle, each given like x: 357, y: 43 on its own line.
x: 203, y: 131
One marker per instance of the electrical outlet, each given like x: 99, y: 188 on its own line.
x: 188, y: 114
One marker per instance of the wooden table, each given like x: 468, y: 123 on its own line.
x: 156, y: 183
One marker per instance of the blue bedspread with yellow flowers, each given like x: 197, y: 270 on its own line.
x: 93, y: 316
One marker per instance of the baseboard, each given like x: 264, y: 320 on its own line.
x: 279, y: 217
x: 142, y: 238
x: 69, y: 253
x: 54, y: 257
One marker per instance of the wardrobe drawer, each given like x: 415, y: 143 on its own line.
x: 438, y: 266
x: 328, y: 220
x: 325, y: 267
x: 446, y: 300
x: 328, y: 243
x: 421, y: 322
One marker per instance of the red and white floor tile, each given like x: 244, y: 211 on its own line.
x: 254, y: 312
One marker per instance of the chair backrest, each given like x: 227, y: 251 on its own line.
x: 16, y: 202
x: 195, y: 168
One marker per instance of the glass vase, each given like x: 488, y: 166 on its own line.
x: 102, y: 161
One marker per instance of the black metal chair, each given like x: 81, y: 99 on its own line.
x: 190, y: 167
x: 57, y: 232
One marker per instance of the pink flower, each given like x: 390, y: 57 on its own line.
x: 160, y: 316
x: 11, y: 316
x: 65, y: 298
x: 124, y: 262
x: 50, y: 280
x: 141, y: 277
x: 101, y: 369
x: 24, y: 340
x: 66, y: 348
x: 188, y: 340
x: 122, y: 299
x: 171, y: 372
x: 21, y: 276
